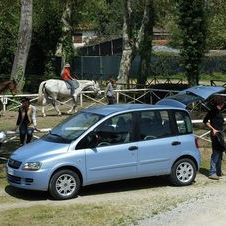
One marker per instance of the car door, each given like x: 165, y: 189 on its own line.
x: 113, y: 157
x: 158, y: 145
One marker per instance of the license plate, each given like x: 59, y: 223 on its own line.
x: 10, y: 171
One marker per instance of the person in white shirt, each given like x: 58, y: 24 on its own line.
x: 26, y: 121
x: 109, y: 91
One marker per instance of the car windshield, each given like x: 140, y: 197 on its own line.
x: 72, y: 127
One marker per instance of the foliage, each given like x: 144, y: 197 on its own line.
x: 216, y: 24
x: 104, y: 16
x: 9, y: 23
x: 46, y: 33
x: 192, y: 23
x: 145, y: 49
x: 165, y: 13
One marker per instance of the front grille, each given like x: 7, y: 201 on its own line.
x: 14, y: 164
x: 14, y: 179
x: 28, y: 181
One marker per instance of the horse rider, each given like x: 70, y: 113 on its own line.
x: 66, y: 76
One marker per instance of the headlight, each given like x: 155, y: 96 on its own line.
x: 31, y: 166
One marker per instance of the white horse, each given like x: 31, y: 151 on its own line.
x: 54, y: 89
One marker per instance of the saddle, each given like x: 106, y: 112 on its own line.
x: 75, y: 82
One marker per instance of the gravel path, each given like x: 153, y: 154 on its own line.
x: 209, y: 210
x: 204, y: 202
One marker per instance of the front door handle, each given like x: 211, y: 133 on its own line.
x: 133, y: 148
x: 174, y: 143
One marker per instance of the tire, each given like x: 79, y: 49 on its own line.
x: 183, y: 172
x: 64, y: 184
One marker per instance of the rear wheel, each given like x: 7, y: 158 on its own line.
x: 64, y: 184
x: 183, y: 172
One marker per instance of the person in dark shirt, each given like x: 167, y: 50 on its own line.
x: 214, y: 120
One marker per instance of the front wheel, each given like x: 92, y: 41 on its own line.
x: 64, y: 184
x: 183, y: 172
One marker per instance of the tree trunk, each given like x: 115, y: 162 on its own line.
x: 23, y: 45
x: 125, y: 65
x: 128, y: 51
x: 67, y: 44
x: 132, y: 43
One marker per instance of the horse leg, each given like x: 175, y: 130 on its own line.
x: 56, y: 106
x: 1, y: 108
x: 43, y: 106
x: 43, y: 111
x: 74, y: 98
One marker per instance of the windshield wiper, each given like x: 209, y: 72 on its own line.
x: 57, y: 135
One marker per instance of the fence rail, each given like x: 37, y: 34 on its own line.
x: 124, y: 95
x: 128, y: 95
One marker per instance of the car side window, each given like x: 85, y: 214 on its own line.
x: 183, y: 122
x: 115, y: 130
x: 154, y: 124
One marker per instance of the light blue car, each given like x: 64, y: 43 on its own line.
x: 108, y: 143
x: 114, y: 142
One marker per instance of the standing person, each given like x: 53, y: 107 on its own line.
x: 109, y: 92
x: 66, y: 76
x: 214, y: 120
x: 26, y: 121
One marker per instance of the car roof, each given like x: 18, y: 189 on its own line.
x: 114, y: 108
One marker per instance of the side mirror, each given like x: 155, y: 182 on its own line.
x: 89, y: 141
x: 92, y: 139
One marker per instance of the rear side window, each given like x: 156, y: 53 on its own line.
x: 154, y: 124
x: 183, y: 121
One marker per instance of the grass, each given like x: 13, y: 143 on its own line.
x: 213, y: 76
x: 66, y: 215
x: 104, y: 213
x: 120, y: 212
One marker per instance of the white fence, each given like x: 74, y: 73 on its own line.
x: 131, y: 96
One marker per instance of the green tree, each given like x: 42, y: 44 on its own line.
x: 192, y: 24
x: 9, y: 23
x: 216, y: 35
x: 47, y: 29
x: 145, y: 49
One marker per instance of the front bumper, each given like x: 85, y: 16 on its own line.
x: 31, y: 180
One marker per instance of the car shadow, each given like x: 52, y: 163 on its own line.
x: 103, y: 188
x: 125, y: 185
x: 204, y: 171
x: 27, y: 195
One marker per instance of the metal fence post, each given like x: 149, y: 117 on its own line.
x: 117, y: 97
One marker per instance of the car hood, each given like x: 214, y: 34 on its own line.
x: 191, y: 95
x: 38, y: 149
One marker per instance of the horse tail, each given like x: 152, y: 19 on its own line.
x: 41, y: 91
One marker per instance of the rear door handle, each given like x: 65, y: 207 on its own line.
x: 174, y: 143
x: 133, y: 148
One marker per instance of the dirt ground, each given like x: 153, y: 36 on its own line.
x: 204, y: 201
x: 207, y: 209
